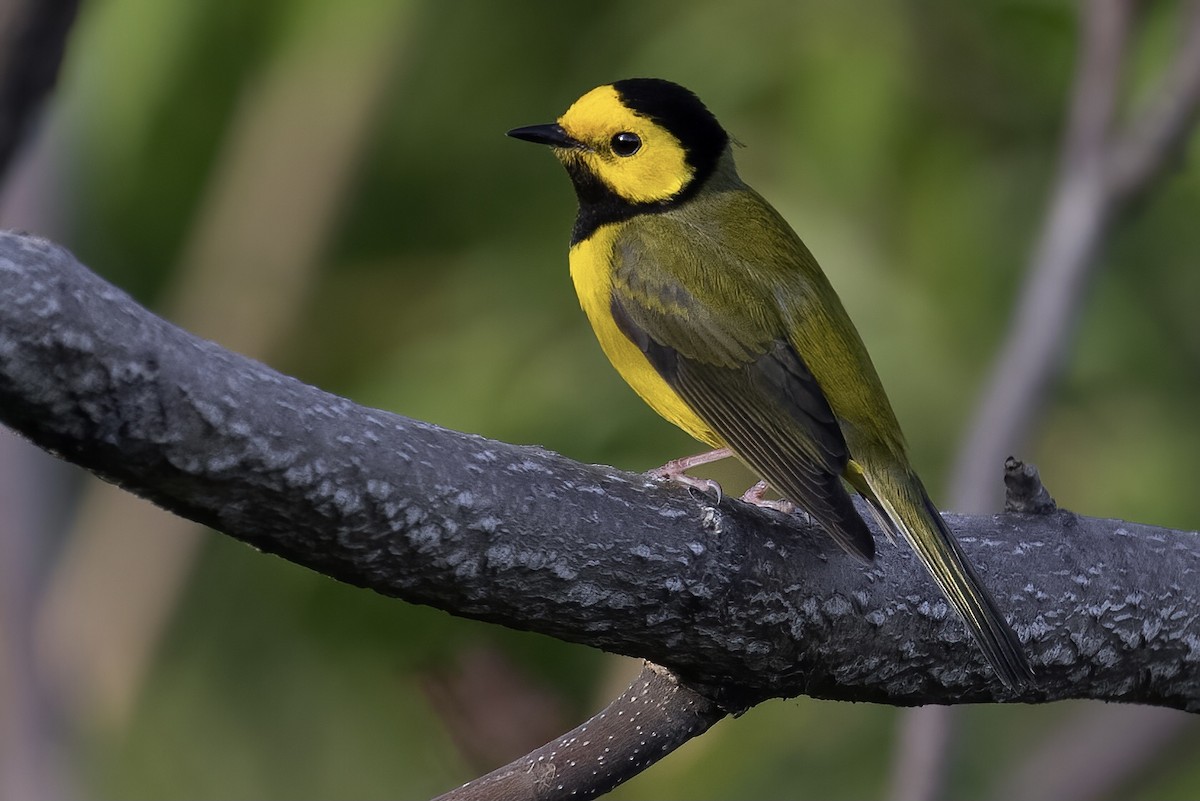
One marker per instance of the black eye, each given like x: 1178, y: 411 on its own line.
x: 626, y: 143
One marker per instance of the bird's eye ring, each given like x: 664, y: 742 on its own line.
x: 626, y: 143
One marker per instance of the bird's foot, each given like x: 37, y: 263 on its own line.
x: 755, y: 495
x: 676, y: 470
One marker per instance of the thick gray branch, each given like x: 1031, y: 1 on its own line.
x: 741, y: 603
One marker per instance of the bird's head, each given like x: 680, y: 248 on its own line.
x: 637, y: 141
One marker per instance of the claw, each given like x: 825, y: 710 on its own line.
x: 705, y: 485
x: 755, y: 495
x: 675, y: 471
x: 714, y: 487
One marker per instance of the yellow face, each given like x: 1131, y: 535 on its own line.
x: 634, y: 156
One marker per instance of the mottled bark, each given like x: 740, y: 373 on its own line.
x: 743, y: 604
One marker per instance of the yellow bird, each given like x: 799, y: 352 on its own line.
x: 713, y: 310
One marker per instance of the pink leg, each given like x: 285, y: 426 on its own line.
x: 675, y: 470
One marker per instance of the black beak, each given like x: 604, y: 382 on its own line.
x: 551, y: 134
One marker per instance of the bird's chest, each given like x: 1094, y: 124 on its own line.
x: 592, y: 265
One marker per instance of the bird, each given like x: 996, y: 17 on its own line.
x: 714, y: 311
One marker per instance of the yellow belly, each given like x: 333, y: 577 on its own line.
x: 591, y: 271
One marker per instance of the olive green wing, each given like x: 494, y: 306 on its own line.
x: 736, y: 369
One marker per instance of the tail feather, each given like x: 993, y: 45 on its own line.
x: 908, y: 510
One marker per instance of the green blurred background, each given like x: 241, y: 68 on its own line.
x: 326, y: 186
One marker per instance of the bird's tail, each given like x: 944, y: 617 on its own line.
x: 904, y: 507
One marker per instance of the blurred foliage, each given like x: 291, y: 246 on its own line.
x: 911, y: 144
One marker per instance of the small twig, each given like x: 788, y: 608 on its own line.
x: 654, y: 716
x: 1024, y: 492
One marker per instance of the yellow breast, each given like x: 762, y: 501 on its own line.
x: 591, y: 270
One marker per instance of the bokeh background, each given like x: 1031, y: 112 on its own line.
x: 326, y: 187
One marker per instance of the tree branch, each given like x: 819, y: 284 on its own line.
x: 739, y: 604
x: 653, y: 717
x: 744, y: 603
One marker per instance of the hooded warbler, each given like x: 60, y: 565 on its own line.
x: 709, y: 305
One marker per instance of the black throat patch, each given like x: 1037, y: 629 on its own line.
x: 599, y: 205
